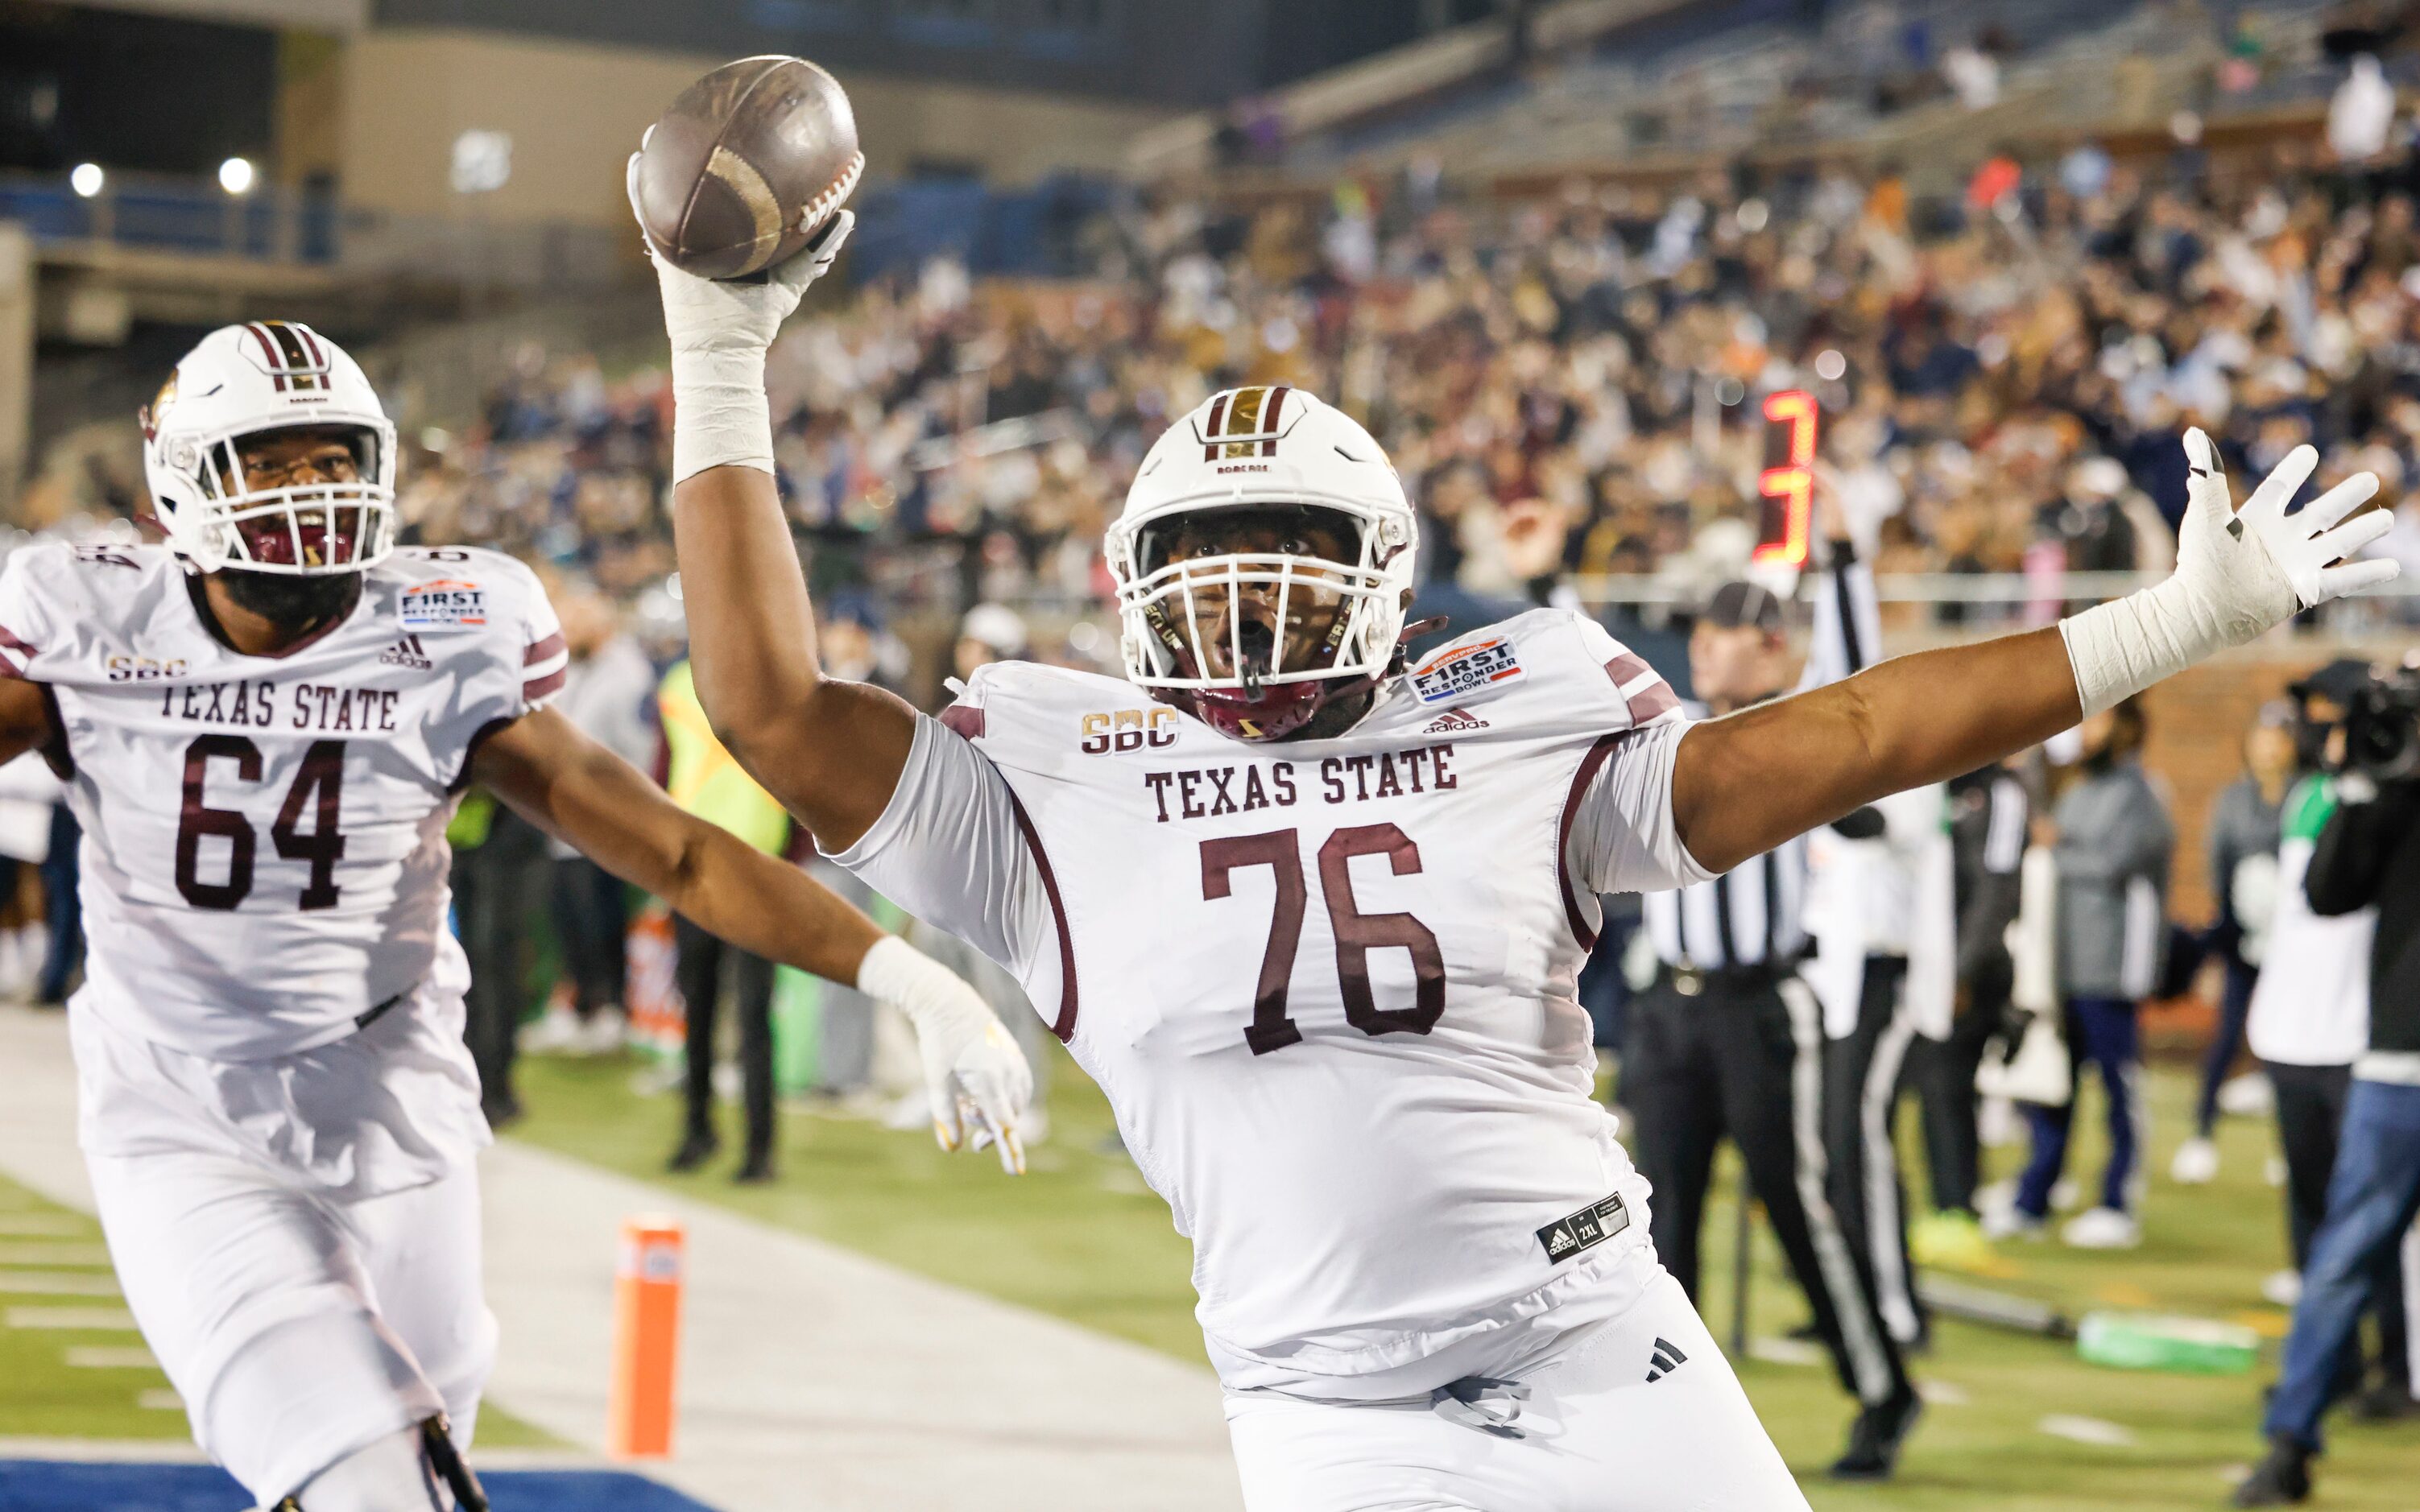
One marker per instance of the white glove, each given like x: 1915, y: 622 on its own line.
x: 2239, y: 573
x: 977, y: 1078
x: 719, y: 332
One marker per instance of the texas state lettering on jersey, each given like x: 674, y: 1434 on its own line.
x: 264, y: 856
x: 1327, y: 985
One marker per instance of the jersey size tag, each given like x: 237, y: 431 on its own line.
x: 447, y: 604
x: 1585, y: 1229
x: 1466, y: 669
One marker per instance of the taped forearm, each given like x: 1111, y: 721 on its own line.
x: 2119, y: 648
x: 721, y: 417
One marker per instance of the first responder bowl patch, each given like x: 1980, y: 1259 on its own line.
x: 447, y: 604
x: 1459, y: 671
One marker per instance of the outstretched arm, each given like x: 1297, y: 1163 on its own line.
x: 583, y: 795
x: 831, y: 751
x: 1744, y: 784
x: 567, y: 784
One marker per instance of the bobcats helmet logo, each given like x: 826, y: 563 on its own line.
x: 157, y: 411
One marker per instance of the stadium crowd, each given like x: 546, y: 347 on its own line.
x: 1565, y: 380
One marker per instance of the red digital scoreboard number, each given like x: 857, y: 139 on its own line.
x: 1788, y: 481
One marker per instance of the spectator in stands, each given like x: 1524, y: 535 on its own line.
x: 2113, y: 841
x: 2241, y: 839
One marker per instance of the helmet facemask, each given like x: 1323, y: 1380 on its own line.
x: 302, y: 521
x: 1257, y: 615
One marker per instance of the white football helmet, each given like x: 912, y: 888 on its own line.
x: 1261, y: 448
x: 238, y: 382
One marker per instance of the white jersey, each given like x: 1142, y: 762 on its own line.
x: 1327, y: 985
x: 264, y: 854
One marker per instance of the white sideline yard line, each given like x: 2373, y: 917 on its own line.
x: 111, y: 1357
x: 101, y: 1320
x: 50, y: 1253
x: 814, y: 1377
x: 58, y: 1284
x: 811, y: 1379
x: 181, y: 1451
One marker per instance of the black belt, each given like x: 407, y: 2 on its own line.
x: 1689, y: 981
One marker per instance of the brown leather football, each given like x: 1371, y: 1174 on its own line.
x: 747, y: 166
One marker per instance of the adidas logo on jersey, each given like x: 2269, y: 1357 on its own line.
x: 407, y: 651
x: 1591, y: 1226
x: 1665, y: 1359
x: 1454, y: 721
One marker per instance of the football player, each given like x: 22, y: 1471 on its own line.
x: 265, y: 726
x: 1311, y: 915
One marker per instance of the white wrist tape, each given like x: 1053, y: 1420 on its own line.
x: 929, y: 993
x: 2122, y: 647
x: 721, y: 417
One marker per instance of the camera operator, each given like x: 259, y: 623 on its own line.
x: 2369, y: 855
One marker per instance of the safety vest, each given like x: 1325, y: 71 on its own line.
x: 707, y: 780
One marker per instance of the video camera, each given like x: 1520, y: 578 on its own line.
x: 2382, y: 726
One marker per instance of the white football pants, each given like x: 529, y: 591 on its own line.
x: 1605, y: 1427
x: 298, y: 1327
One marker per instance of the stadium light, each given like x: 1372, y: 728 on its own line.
x: 235, y: 175
x: 86, y: 179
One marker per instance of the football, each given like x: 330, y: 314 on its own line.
x: 747, y: 167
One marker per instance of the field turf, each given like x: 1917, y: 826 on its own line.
x: 1081, y: 1237
x: 96, y: 1381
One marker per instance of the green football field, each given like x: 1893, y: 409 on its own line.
x: 1081, y: 1237
x: 71, y: 1364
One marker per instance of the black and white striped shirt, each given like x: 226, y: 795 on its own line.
x: 1751, y: 915
x: 1755, y: 914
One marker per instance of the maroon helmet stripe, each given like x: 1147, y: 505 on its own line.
x: 299, y: 365
x: 1269, y: 419
x: 269, y: 349
x: 541, y: 650
x: 1217, y: 414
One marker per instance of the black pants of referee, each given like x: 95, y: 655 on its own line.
x: 1861, y: 1084
x: 1743, y: 1057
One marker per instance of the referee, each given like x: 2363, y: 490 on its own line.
x: 1728, y: 1040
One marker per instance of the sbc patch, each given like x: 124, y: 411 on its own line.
x: 447, y: 604
x: 1465, y: 670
